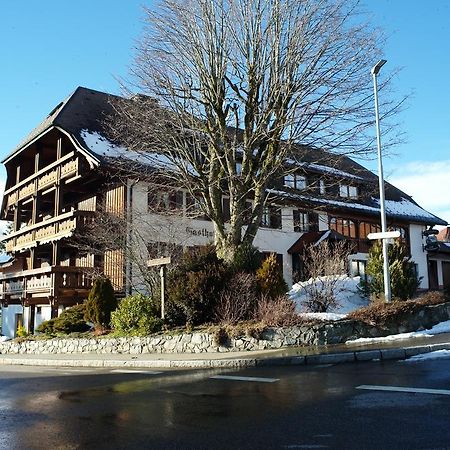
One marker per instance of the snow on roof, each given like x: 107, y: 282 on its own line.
x: 323, y: 169
x: 403, y: 208
x: 104, y: 148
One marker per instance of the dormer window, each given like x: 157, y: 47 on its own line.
x: 348, y: 191
x: 295, y: 181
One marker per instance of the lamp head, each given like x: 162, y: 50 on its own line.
x: 377, y: 67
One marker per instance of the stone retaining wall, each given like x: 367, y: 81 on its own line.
x: 272, y: 338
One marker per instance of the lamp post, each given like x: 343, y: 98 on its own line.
x: 386, y: 276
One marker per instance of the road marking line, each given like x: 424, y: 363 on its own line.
x: 405, y: 389
x: 235, y: 378
x: 147, y: 372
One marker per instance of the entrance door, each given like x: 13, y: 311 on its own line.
x: 433, y: 275
x: 18, y: 323
x: 446, y: 273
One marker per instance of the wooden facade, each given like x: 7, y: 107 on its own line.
x: 52, y: 192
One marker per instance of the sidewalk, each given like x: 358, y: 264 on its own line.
x: 287, y: 356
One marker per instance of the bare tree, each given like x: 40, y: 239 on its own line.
x: 124, y: 241
x: 325, y: 264
x: 232, y: 85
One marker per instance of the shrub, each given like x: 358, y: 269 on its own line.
x: 21, y: 332
x: 279, y: 312
x: 246, y: 259
x: 71, y: 320
x: 237, y: 300
x: 136, y: 315
x: 194, y: 286
x: 270, y: 278
x: 100, y: 303
x: 382, y: 314
x: 46, y: 327
x: 221, y: 337
x: 404, y: 279
x: 325, y: 263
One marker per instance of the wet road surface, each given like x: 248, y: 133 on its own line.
x: 280, y: 407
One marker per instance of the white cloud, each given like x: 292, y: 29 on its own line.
x: 428, y: 183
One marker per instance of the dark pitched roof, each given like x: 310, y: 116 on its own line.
x: 83, y: 114
x: 84, y: 109
x: 314, y: 238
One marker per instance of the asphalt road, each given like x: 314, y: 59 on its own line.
x: 288, y: 408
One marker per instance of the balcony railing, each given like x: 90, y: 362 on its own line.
x: 50, y: 230
x: 47, y: 281
x: 45, y: 177
x: 69, y: 168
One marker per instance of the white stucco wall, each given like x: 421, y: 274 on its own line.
x: 9, y: 319
x: 418, y: 255
x: 151, y: 227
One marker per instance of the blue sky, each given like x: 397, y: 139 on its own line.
x: 50, y: 47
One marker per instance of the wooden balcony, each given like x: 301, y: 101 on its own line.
x: 54, y: 281
x: 47, y: 231
x: 26, y: 191
x: 46, y: 177
x: 69, y: 169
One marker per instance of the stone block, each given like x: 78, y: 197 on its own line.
x: 331, y: 358
x: 411, y: 351
x: 367, y: 355
x: 393, y: 353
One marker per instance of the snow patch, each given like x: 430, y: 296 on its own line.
x: 348, y: 297
x: 438, y: 354
x: 443, y: 327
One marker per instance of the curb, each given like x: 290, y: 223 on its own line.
x: 387, y: 354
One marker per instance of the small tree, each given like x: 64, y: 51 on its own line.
x: 270, y: 278
x: 325, y: 263
x: 100, y: 303
x: 404, y: 279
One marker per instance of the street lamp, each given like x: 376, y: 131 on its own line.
x: 386, y: 276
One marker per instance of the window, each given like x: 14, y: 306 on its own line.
x: 195, y: 208
x: 365, y: 228
x: 165, y: 201
x: 345, y: 227
x: 348, y: 191
x: 301, y: 221
x: 322, y: 188
x: 271, y: 217
x: 295, y: 181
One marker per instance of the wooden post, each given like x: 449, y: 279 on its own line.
x: 162, y: 262
x: 162, y: 274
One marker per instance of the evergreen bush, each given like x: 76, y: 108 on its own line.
x: 404, y: 279
x: 194, y: 286
x: 247, y: 259
x: 136, y: 315
x: 71, y: 320
x: 100, y: 303
x: 270, y: 278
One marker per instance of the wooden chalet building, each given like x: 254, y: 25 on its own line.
x: 60, y: 176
